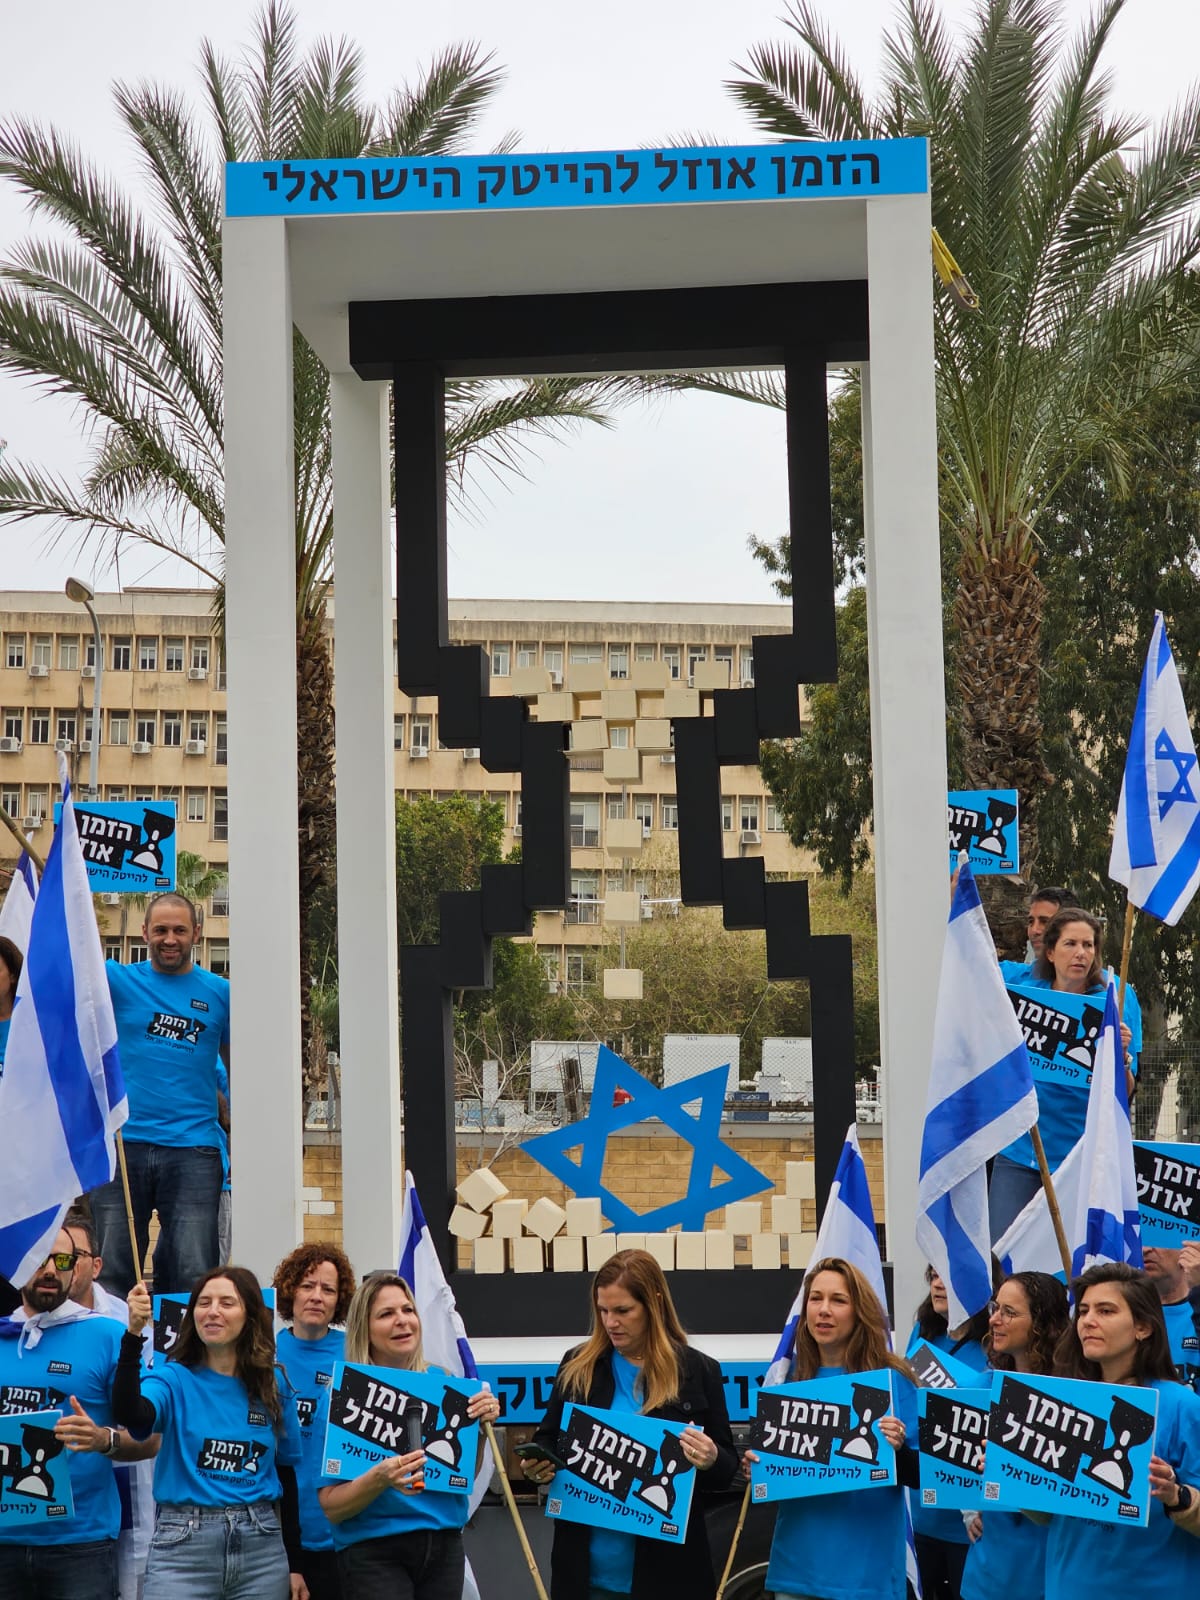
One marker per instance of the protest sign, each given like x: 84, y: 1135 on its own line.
x: 1168, y: 1188
x: 952, y: 1428
x: 822, y: 1437
x: 623, y: 1471
x: 128, y: 845
x: 523, y: 1388
x: 935, y: 1369
x: 35, y: 1481
x: 1061, y: 1032
x: 366, y: 1423
x: 1072, y: 1448
x: 984, y: 823
x: 169, y: 1311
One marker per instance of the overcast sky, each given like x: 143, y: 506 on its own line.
x: 659, y: 508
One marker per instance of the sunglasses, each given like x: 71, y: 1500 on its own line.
x: 63, y: 1260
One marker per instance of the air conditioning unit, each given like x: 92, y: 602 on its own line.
x: 111, y: 899
x: 647, y: 827
x: 556, y: 677
x: 667, y: 758
x: 751, y: 836
x: 85, y: 747
x: 31, y: 824
x: 38, y: 671
x: 553, y: 985
x: 87, y: 672
x: 647, y: 911
x: 472, y: 753
x: 10, y: 747
x: 194, y: 747
x: 419, y: 752
x: 65, y: 745
x: 140, y: 747
x: 516, y: 830
x: 197, y: 674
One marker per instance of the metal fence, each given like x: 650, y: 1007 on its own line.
x: 1167, y: 1103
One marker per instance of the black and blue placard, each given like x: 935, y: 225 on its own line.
x: 984, y: 823
x: 366, y: 1424
x: 1168, y: 1186
x: 935, y: 1369
x: 623, y: 1471
x: 169, y: 1311
x: 1069, y: 1447
x: 1061, y: 1032
x: 35, y: 1480
x: 128, y: 845
x: 822, y: 1436
x: 952, y: 1428
x: 523, y: 1388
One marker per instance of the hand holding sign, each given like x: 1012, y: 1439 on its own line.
x: 406, y: 1472
x: 138, y: 1301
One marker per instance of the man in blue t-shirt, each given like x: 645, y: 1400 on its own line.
x: 172, y: 1027
x: 1168, y: 1271
x: 56, y: 1356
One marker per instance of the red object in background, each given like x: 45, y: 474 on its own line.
x: 621, y: 1097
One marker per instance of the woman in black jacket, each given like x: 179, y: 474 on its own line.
x: 637, y: 1358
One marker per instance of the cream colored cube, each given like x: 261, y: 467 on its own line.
x: 649, y: 674
x: 802, y: 1180
x: 744, y: 1216
x: 689, y: 1252
x: 624, y: 836
x: 718, y: 1250
x: 530, y: 680
x: 507, y: 1217
x: 545, y: 1219
x: 586, y: 677
x: 786, y: 1213
x: 765, y: 1251
x: 631, y: 1241
x: 584, y: 1218
x: 488, y: 1255
x: 467, y: 1224
x: 480, y: 1189
x: 556, y: 707
x: 623, y: 907
x: 567, y: 1254
x: 681, y: 703
x: 590, y: 734
x: 652, y: 735
x: 800, y: 1248
x: 622, y: 766
x: 711, y: 675
x: 662, y: 1247
x: 622, y: 983
x: 599, y: 1247
x: 527, y: 1254
x: 619, y: 705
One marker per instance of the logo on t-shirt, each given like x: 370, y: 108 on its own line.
x: 166, y: 1025
x: 257, y: 1417
x: 324, y: 1378
x: 230, y: 1455
x: 18, y: 1397
x: 306, y: 1410
x: 58, y: 1366
x: 199, y: 1005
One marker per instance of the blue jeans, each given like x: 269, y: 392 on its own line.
x: 183, y: 1184
x: 217, y: 1553
x: 59, y: 1571
x: 1012, y: 1188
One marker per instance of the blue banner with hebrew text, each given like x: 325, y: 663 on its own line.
x: 623, y: 1471
x: 823, y: 1437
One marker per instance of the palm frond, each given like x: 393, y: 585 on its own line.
x: 436, y: 115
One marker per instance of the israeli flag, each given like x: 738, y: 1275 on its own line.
x: 847, y: 1230
x: 1105, y: 1224
x: 981, y: 1098
x: 62, y: 1096
x: 1031, y: 1244
x: 16, y: 914
x: 1156, y: 840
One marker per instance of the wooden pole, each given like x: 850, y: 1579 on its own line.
x: 21, y: 839
x: 138, y: 1264
x: 1060, y: 1232
x: 1126, y: 942
x: 737, y: 1534
x: 514, y: 1513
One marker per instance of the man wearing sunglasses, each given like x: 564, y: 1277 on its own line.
x: 57, y: 1357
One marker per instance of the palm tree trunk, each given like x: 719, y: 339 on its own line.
x: 317, y: 809
x: 998, y: 619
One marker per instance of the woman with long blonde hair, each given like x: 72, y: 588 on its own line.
x: 829, y: 1546
x: 637, y: 1359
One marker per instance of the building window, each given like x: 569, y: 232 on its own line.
x: 643, y: 652
x: 143, y: 727
x: 199, y: 655
x: 112, y: 950
x: 43, y: 645
x: 220, y: 899
x: 147, y: 655
x: 670, y: 813
x: 173, y: 655
x: 615, y: 807
x: 196, y: 804
x: 551, y: 967
x: 775, y: 822
x: 172, y: 727
x: 10, y: 799
x: 749, y: 813
x: 36, y: 800
x: 221, y: 671
x: 118, y: 727
x: 138, y: 951
x: 580, y: 967
x: 218, y: 957
x: 727, y: 813
x: 422, y: 732
x: 724, y: 652
x: 116, y: 792
x: 144, y: 796
x: 169, y: 791
x: 68, y: 652
x: 398, y: 732
x: 643, y: 810
x: 696, y: 654
x: 584, y: 904
x: 66, y: 724
x: 14, y: 728
x: 121, y: 650
x: 527, y: 656
x: 552, y: 660
x: 14, y: 649
x: 671, y: 657
x: 89, y: 727
x: 198, y: 727
x: 747, y: 664
x: 39, y: 725
x: 220, y: 824
x: 585, y: 821
x: 619, y: 736
x: 501, y: 660
x: 586, y: 655
x: 89, y: 650
x: 618, y: 660
x: 221, y: 741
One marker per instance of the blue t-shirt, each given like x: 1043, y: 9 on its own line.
x: 219, y: 1448
x: 1008, y: 1559
x: 1185, y: 1346
x: 1158, y: 1562
x: 76, y: 1358
x: 846, y: 1546
x: 610, y: 1554
x: 927, y: 1521
x: 309, y: 1365
x: 223, y: 1087
x: 170, y: 1028
x: 1062, y: 1111
x: 3, y: 1042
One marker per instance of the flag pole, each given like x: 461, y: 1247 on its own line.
x: 1060, y: 1233
x: 21, y: 840
x: 737, y: 1534
x: 514, y: 1513
x: 138, y: 1264
x: 1126, y: 941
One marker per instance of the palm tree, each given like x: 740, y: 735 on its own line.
x: 121, y: 311
x: 1077, y: 245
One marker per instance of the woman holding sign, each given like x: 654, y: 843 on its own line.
x: 637, y: 1359
x: 391, y: 1537
x: 230, y: 1443
x: 1119, y: 1337
x: 832, y: 1546
x: 1028, y: 1317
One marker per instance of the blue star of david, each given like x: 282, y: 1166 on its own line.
x: 702, y: 1131
x: 1183, y: 761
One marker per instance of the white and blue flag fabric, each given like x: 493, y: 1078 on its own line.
x: 847, y: 1230
x: 16, y: 914
x: 1156, y: 840
x: 981, y: 1098
x: 62, y: 1096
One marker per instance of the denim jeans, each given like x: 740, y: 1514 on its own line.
x: 404, y: 1566
x: 59, y: 1571
x: 1011, y: 1190
x: 217, y: 1553
x: 184, y: 1186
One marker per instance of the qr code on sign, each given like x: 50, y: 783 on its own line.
x: 929, y: 1497
x: 333, y: 1468
x: 553, y: 1508
x: 991, y: 1491
x: 760, y: 1491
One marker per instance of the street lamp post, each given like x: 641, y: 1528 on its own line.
x: 83, y: 594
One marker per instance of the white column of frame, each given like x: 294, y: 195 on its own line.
x: 260, y: 633
x: 908, y: 738
x: 365, y: 662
